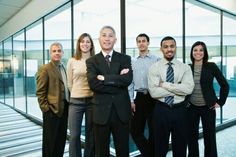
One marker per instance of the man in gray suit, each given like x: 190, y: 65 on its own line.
x: 53, y: 95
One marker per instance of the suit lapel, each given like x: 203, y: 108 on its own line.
x: 115, y: 63
x: 102, y: 63
x: 55, y: 71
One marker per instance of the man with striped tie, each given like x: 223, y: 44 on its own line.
x: 169, y: 82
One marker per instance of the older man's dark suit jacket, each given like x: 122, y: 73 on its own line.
x: 209, y: 72
x: 50, y: 89
x: 113, y: 90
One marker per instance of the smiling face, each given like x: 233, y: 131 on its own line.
x: 56, y: 53
x: 85, y: 45
x: 198, y: 53
x: 107, y: 39
x: 142, y: 44
x: 168, y: 48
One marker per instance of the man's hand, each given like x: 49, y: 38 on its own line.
x: 101, y: 77
x: 133, y: 107
x: 124, y: 71
x: 215, y: 106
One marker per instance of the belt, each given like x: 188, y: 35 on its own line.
x: 177, y: 105
x: 84, y: 99
x: 142, y: 91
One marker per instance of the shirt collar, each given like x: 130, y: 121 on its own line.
x: 147, y: 55
x: 56, y: 63
x: 166, y: 61
x: 110, y: 53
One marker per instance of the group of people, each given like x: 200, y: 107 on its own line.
x: 120, y: 96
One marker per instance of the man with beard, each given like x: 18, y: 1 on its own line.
x: 169, y: 82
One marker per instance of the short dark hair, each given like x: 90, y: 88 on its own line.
x: 167, y: 38
x: 143, y: 35
x: 205, y: 58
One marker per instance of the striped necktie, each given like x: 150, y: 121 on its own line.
x: 169, y: 78
x: 107, y: 58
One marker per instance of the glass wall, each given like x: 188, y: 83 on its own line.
x: 229, y: 68
x: 24, y: 52
x: 91, y: 18
x: 58, y: 29
x: 1, y: 74
x: 34, y: 59
x: 198, y: 21
x: 8, y: 81
x: 18, y: 67
x: 156, y: 21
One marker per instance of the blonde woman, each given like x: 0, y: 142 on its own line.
x: 80, y: 100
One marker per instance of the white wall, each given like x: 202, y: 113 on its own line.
x: 32, y: 12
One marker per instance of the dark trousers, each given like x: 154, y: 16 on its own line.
x: 208, y: 118
x: 76, y: 113
x: 168, y: 120
x: 120, y: 133
x: 143, y: 115
x: 54, y: 133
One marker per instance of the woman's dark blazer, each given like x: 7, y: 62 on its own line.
x: 208, y: 73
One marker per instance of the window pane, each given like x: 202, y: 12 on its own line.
x: 1, y: 74
x: 203, y: 24
x: 156, y: 21
x: 34, y: 59
x: 19, y: 70
x: 8, y: 72
x: 229, y: 64
x: 91, y: 18
x: 58, y: 29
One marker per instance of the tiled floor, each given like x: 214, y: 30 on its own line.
x: 19, y: 137
x: 226, y: 143
x: 22, y: 138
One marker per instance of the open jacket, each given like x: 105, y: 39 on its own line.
x: 50, y: 89
x: 208, y: 73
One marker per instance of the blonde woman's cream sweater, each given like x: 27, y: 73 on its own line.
x: 77, y: 79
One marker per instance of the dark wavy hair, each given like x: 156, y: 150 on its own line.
x: 78, y: 52
x: 205, y: 58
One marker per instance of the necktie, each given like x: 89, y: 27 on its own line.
x: 169, y: 78
x: 107, y: 58
x: 63, y: 74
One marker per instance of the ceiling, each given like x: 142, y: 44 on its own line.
x: 8, y: 8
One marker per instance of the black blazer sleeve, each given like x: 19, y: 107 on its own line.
x: 209, y: 72
x: 114, y: 82
x: 224, y: 86
x: 121, y: 80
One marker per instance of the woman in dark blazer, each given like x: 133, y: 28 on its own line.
x: 203, y: 101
